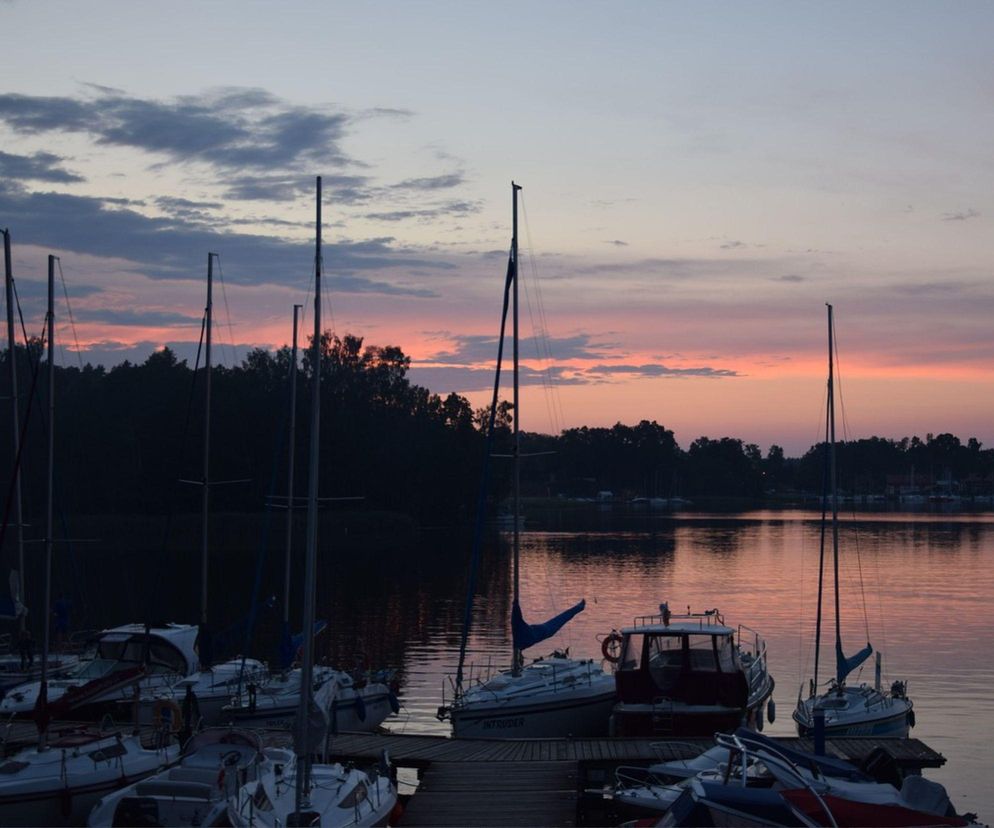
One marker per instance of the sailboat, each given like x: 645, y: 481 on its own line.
x: 299, y: 792
x: 272, y: 703
x: 552, y: 696
x: 57, y: 781
x: 863, y: 710
x: 212, y: 685
x: 13, y: 670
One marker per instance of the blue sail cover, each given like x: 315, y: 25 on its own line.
x: 844, y: 666
x: 527, y: 635
x: 290, y: 644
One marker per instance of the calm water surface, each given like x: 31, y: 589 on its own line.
x: 927, y: 583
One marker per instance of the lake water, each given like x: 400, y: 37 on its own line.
x: 928, y: 581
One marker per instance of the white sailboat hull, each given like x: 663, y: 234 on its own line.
x: 550, y: 697
x: 59, y: 786
x: 575, y: 715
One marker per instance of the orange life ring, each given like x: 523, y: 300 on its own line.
x: 611, y: 647
x: 175, y: 715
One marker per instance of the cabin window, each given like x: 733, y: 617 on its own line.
x: 666, y: 660
x: 355, y: 797
x: 726, y: 655
x: 701, y: 655
x: 631, y: 658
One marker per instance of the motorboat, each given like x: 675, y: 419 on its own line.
x: 766, y: 784
x: 194, y: 792
x: 553, y: 696
x: 688, y: 675
x: 118, y: 659
x: 58, y: 784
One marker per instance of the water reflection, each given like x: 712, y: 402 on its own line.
x: 926, y: 579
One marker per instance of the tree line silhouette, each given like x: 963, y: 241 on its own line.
x: 127, y: 435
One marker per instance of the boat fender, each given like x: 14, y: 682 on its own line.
x: 360, y: 707
x: 911, y: 718
x: 771, y: 711
x: 759, y: 720
x: 166, y: 714
x: 611, y: 647
x: 394, y: 701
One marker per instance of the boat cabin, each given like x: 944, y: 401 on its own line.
x: 693, y: 660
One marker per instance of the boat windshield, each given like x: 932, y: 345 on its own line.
x: 162, y: 657
x: 94, y: 668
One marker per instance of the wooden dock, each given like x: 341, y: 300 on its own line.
x: 414, y: 751
x: 515, y: 782
x: 478, y: 793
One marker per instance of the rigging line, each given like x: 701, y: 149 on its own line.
x: 558, y: 418
x: 227, y: 312
x: 72, y: 322
x: 845, y: 433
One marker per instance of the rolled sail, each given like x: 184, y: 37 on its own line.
x: 844, y: 666
x: 527, y: 635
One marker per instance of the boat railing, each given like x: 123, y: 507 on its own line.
x: 756, y: 667
x: 744, y: 749
x: 705, y: 619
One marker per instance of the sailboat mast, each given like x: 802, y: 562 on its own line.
x: 205, y: 494
x: 516, y: 449
x: 833, y: 480
x: 50, y: 485
x: 291, y: 440
x: 14, y: 413
x: 310, y: 565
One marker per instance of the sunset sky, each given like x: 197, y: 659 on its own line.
x: 699, y: 180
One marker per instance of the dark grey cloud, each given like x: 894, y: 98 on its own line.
x: 443, y: 379
x: 437, y: 182
x: 617, y: 243
x: 42, y: 166
x: 788, y: 277
x: 733, y: 245
x: 230, y: 128
x: 173, y: 246
x: 962, y: 215
x: 341, y: 189
x: 659, y: 370
x: 449, y: 208
x: 159, y: 319
x: 472, y: 348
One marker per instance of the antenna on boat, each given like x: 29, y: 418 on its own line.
x: 303, y: 780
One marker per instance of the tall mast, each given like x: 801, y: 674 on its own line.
x: 832, y: 474
x: 205, y: 494
x: 14, y: 414
x: 50, y: 475
x: 310, y: 566
x: 516, y: 449
x: 291, y: 440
